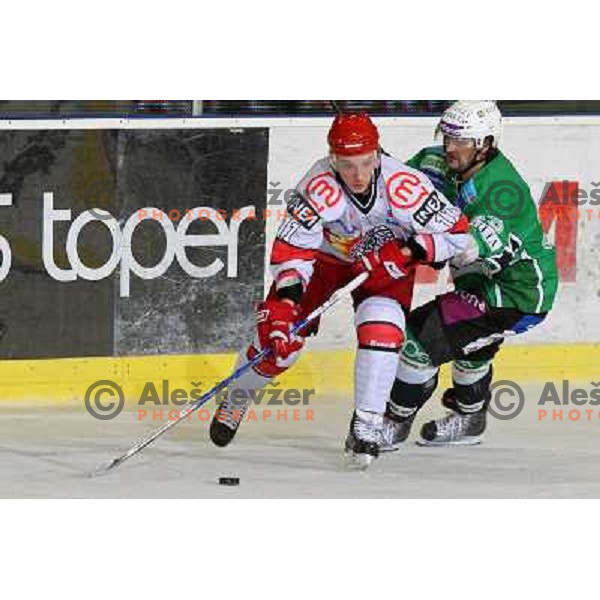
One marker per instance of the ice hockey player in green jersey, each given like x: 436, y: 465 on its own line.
x: 505, y: 282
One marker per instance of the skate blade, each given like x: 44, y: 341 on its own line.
x: 466, y: 441
x: 388, y: 449
x: 357, y: 462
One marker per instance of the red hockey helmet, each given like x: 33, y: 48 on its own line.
x: 353, y: 134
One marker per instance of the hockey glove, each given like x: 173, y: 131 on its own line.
x: 275, y: 319
x: 386, y: 265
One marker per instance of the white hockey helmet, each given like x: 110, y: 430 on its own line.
x: 471, y: 119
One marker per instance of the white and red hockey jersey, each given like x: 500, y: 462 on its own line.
x: 324, y: 216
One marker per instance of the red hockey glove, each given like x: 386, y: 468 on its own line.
x: 275, y: 319
x: 386, y: 265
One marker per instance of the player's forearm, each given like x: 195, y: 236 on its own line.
x: 432, y: 248
x: 291, y: 268
x: 290, y: 283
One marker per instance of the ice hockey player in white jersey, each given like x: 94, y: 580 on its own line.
x: 342, y: 198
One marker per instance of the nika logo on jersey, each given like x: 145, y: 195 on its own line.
x: 405, y: 190
x: 431, y: 207
x: 323, y: 191
x: 302, y: 211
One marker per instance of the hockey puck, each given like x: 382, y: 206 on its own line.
x: 229, y: 481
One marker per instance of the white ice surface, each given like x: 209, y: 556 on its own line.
x: 48, y: 452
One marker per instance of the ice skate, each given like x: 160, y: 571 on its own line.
x: 457, y: 428
x: 364, y: 439
x: 395, y: 431
x: 227, y: 420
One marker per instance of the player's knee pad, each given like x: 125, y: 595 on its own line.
x: 380, y: 325
x: 471, y: 385
x: 408, y: 398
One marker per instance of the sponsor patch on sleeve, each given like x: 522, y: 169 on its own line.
x: 432, y: 206
x: 302, y: 212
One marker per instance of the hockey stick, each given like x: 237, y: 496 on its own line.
x: 336, y: 107
x: 194, y: 406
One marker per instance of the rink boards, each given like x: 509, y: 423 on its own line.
x: 327, y: 372
x: 178, y: 303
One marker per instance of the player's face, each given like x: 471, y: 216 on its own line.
x: 356, y: 171
x: 459, y: 153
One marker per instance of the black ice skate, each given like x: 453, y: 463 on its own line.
x: 364, y: 439
x: 457, y: 428
x: 395, y: 430
x: 227, y: 420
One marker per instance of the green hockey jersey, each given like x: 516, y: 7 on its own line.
x: 516, y: 267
